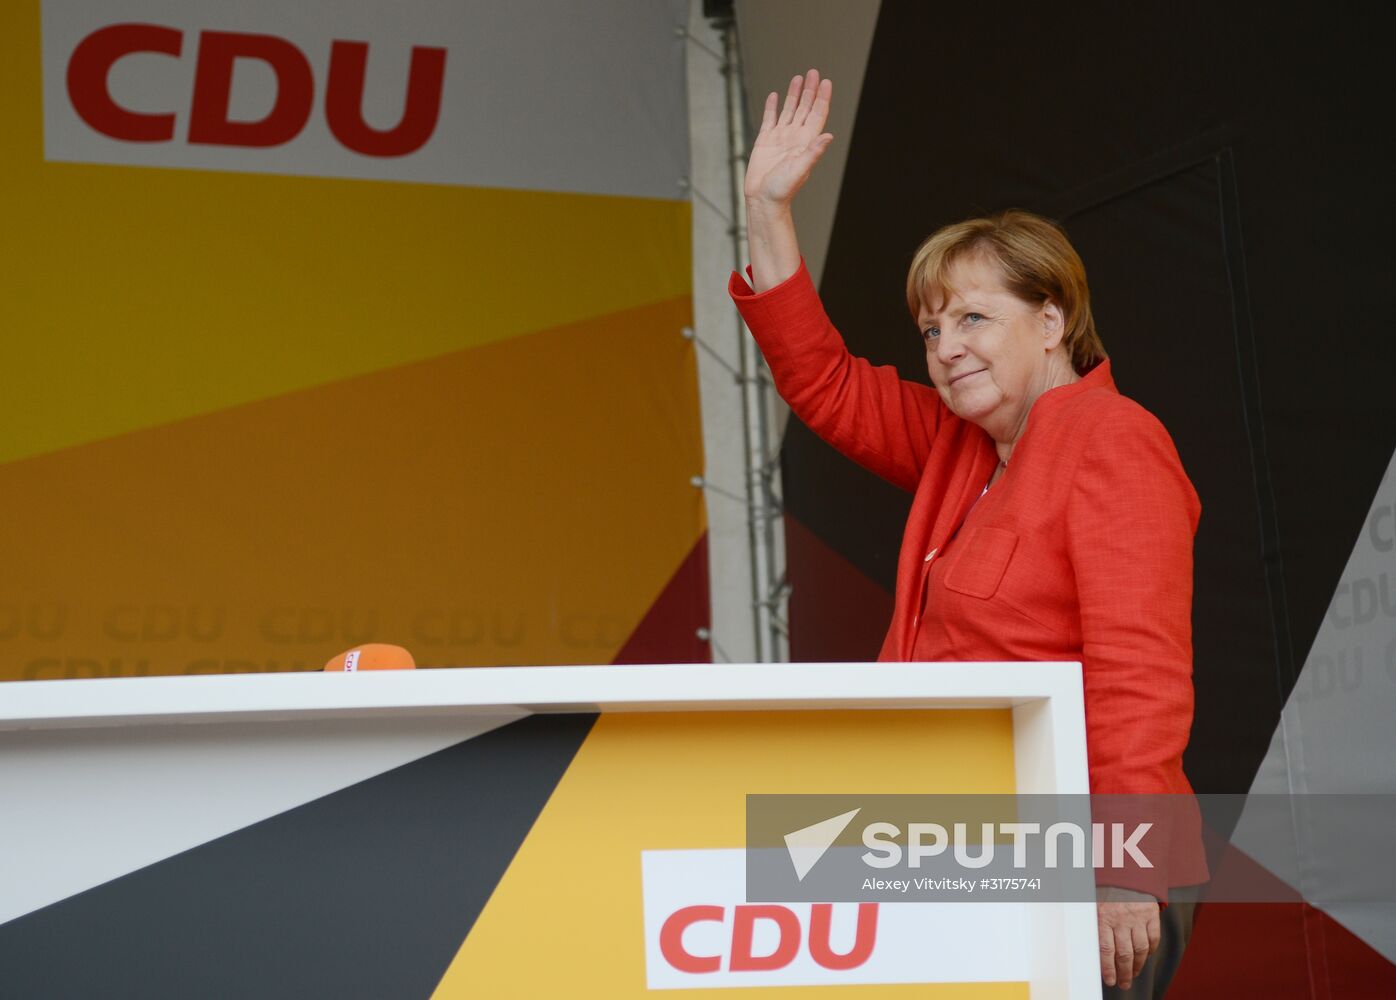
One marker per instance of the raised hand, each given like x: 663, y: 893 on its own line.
x: 786, y: 150
x: 789, y: 145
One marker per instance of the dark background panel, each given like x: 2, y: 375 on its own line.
x: 364, y: 893
x: 1164, y: 305
x: 1223, y: 171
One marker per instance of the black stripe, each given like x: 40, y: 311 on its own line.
x: 367, y: 892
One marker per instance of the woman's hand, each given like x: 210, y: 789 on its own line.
x: 788, y: 146
x: 1128, y: 923
x: 786, y: 150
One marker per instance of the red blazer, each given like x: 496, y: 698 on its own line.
x: 1081, y: 551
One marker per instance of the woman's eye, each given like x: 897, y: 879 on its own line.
x: 932, y: 333
x: 973, y: 317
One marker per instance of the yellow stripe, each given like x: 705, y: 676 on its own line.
x: 567, y: 920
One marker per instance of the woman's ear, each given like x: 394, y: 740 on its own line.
x: 1053, y: 324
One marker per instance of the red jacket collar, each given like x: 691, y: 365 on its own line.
x: 1097, y: 377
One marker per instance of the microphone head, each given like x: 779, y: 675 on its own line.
x: 373, y: 656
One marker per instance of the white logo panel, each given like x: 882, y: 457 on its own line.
x: 701, y: 933
x: 516, y: 94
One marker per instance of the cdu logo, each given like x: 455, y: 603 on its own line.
x: 221, y: 55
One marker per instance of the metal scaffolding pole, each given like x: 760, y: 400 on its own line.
x: 741, y: 412
x: 764, y: 513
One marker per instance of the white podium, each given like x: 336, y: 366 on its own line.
x: 496, y: 831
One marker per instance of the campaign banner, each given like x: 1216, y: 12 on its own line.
x: 518, y: 94
x: 337, y: 323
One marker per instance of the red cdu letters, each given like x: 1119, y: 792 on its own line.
x: 744, y: 920
x: 789, y: 930
x: 344, y: 101
x: 671, y: 939
x: 821, y: 915
x: 213, y: 84
x: 93, y: 59
x: 219, y: 51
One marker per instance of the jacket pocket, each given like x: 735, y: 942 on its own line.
x: 980, y: 568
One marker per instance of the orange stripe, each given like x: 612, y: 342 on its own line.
x: 520, y: 503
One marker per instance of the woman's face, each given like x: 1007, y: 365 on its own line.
x: 989, y: 353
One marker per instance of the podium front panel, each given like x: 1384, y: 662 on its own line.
x: 495, y: 850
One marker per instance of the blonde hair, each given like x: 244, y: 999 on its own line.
x: 1037, y: 263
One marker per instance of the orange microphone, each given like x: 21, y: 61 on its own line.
x: 373, y: 656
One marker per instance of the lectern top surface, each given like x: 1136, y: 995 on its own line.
x: 481, y: 690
